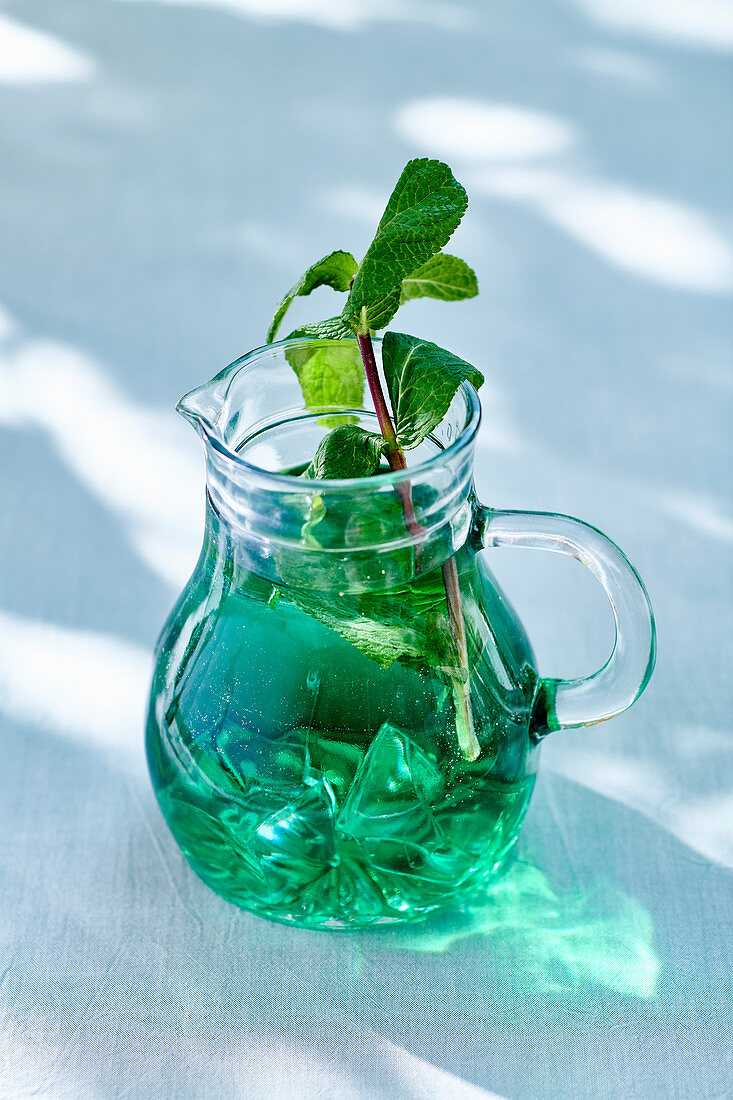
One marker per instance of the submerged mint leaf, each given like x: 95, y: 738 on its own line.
x: 365, y: 521
x: 336, y: 270
x: 423, y: 211
x: 422, y: 380
x: 379, y: 624
x: 442, y: 276
x: 331, y: 375
x: 385, y: 626
x: 348, y: 451
x: 405, y: 618
x: 379, y: 640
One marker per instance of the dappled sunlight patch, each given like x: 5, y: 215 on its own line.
x: 707, y: 23
x: 31, y: 1053
x: 710, y: 820
x: 479, y: 131
x: 663, y: 792
x: 80, y: 684
x: 696, y: 741
x: 136, y: 461
x: 29, y: 56
x: 562, y: 940
x: 700, y: 513
x: 421, y: 1078
x: 340, y: 15
x: 62, y: 1046
x: 652, y: 237
x: 624, y: 779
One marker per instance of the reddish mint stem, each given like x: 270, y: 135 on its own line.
x: 395, y: 457
x: 464, y: 716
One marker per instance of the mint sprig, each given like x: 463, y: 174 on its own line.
x: 403, y: 262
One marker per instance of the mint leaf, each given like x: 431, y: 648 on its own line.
x: 423, y: 211
x: 386, y: 626
x: 379, y: 640
x: 348, y: 451
x: 331, y: 375
x: 335, y: 270
x: 442, y: 276
x: 334, y: 328
x: 422, y: 380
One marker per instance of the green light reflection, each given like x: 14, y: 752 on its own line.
x: 560, y: 940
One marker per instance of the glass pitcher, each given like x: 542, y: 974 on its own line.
x: 306, y: 733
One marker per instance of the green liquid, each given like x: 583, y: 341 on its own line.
x: 306, y: 783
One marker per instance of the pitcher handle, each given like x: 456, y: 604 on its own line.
x: 619, y: 683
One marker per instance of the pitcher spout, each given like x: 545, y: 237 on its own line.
x: 203, y: 406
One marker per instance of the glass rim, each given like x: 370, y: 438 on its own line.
x: 296, y: 483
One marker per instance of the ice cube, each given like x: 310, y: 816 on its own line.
x: 337, y: 761
x: 254, y: 757
x: 297, y: 843
x: 295, y: 759
x: 393, y: 790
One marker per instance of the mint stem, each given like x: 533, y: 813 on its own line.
x: 375, y: 388
x: 467, y: 739
x: 395, y: 457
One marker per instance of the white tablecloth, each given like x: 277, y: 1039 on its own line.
x: 167, y: 171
